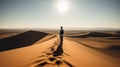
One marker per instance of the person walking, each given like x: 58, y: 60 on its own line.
x: 61, y: 34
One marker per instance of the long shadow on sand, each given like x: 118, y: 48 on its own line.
x: 21, y: 40
x: 59, y: 50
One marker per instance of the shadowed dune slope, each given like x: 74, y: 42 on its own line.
x: 21, y: 40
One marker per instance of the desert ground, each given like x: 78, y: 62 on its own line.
x: 43, y: 49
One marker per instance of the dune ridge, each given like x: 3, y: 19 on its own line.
x: 21, y: 40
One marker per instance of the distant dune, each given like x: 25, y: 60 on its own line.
x: 99, y: 40
x: 21, y: 40
x: 7, y: 34
x: 94, y: 34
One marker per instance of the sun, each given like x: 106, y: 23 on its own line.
x: 62, y: 6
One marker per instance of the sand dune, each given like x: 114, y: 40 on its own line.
x: 89, y: 57
x: 21, y: 40
x: 94, y: 34
x: 49, y: 52
x: 8, y: 34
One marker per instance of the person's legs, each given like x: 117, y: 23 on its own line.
x: 61, y: 39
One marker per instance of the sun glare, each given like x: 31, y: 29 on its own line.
x: 62, y: 6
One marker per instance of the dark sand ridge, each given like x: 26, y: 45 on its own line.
x: 21, y: 40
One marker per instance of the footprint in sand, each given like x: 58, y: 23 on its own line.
x: 49, y: 59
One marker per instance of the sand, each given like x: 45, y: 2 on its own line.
x: 41, y: 54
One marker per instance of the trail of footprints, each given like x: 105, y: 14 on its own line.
x: 47, y: 59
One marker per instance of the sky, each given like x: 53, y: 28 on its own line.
x: 52, y: 14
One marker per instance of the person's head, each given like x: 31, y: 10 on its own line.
x: 61, y: 27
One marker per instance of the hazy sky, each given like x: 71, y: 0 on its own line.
x: 46, y: 14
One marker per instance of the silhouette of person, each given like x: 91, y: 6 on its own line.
x: 61, y: 34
